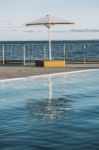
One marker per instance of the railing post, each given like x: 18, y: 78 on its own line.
x: 84, y: 54
x: 84, y: 60
x: 3, y: 55
x: 24, y: 55
x: 44, y: 52
x: 64, y: 52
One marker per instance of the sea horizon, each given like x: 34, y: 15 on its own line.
x: 51, y: 40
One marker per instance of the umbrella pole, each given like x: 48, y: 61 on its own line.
x: 49, y: 43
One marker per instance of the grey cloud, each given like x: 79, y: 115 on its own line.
x: 85, y: 30
x: 29, y: 31
x: 54, y: 31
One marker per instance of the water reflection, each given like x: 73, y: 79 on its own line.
x: 50, y: 108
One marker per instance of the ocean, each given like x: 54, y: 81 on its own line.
x: 81, y: 50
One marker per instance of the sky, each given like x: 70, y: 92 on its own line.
x: 14, y: 14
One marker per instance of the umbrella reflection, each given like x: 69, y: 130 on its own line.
x: 50, y: 108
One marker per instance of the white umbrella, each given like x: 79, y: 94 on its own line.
x: 49, y: 21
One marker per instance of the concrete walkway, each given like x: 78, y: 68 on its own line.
x: 8, y: 72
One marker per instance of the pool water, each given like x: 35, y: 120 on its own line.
x: 50, y: 112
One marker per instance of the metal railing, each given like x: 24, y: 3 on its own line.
x: 28, y: 53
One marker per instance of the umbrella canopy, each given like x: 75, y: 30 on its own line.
x: 49, y: 21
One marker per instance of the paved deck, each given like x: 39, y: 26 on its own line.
x: 8, y: 72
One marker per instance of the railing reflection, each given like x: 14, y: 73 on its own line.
x: 50, y: 108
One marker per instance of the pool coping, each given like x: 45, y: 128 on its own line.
x: 49, y: 74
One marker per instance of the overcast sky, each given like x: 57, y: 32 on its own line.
x: 15, y: 13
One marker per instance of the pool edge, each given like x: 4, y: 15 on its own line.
x: 44, y: 75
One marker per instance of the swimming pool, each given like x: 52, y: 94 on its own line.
x: 50, y: 112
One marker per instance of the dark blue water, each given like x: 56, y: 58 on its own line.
x: 74, y: 50
x: 50, y: 113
